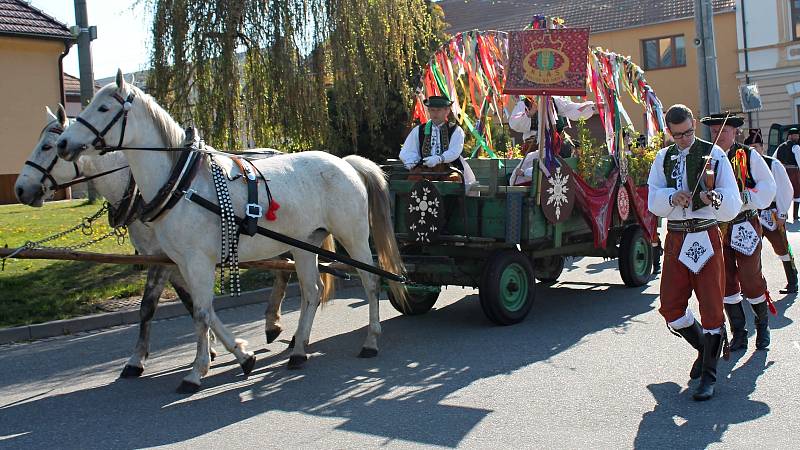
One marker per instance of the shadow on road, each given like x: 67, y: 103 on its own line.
x: 679, y: 422
x: 424, y: 360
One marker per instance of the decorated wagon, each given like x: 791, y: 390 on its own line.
x: 499, y: 237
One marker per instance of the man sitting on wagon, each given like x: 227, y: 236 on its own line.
x: 432, y: 146
x: 524, y: 119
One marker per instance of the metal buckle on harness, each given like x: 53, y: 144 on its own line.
x: 254, y: 210
x: 187, y: 194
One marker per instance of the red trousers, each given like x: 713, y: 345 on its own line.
x: 742, y: 272
x: 678, y: 282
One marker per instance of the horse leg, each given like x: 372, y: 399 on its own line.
x: 156, y: 278
x: 359, y: 250
x: 200, y: 281
x: 272, y: 316
x: 308, y: 276
x: 179, y: 284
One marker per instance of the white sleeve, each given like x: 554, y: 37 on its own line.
x: 725, y: 185
x: 784, y: 190
x: 796, y: 151
x: 519, y: 120
x: 762, y: 195
x: 409, y: 153
x: 571, y: 110
x: 455, y: 147
x: 658, y: 197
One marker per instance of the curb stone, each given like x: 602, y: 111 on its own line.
x: 127, y: 317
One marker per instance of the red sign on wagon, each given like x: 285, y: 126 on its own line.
x: 547, y: 62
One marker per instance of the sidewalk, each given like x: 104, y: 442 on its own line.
x: 128, y: 316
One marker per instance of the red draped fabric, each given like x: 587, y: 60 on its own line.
x: 598, y: 203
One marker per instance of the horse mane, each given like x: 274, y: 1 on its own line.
x: 171, y: 133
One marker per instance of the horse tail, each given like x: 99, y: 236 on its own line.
x: 380, y: 220
x: 328, y: 287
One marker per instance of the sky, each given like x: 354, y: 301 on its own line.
x: 123, y: 34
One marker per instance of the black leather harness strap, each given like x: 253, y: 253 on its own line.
x: 182, y: 175
x: 324, y: 254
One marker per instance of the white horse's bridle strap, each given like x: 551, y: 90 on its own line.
x: 121, y: 114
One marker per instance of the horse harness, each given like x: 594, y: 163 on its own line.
x: 183, y: 173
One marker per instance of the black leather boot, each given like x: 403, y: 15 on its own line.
x: 657, y: 253
x: 796, y: 205
x: 736, y: 318
x: 791, y: 278
x: 694, y: 336
x: 712, y: 344
x: 762, y: 325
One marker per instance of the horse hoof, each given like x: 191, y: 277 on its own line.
x: 272, y: 335
x: 291, y: 344
x: 213, y: 354
x: 297, y: 361
x: 187, y: 387
x: 248, y: 364
x: 368, y: 352
x: 131, y: 371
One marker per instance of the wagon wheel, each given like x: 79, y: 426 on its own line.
x: 420, y: 300
x: 548, y: 269
x: 635, y: 257
x: 507, y: 287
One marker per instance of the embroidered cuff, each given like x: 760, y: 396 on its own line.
x: 783, y: 216
x: 716, y: 200
x: 670, y: 200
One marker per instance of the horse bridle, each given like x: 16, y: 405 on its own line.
x: 46, y: 171
x: 100, y: 135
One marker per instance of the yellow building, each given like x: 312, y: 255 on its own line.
x: 32, y: 46
x: 657, y: 35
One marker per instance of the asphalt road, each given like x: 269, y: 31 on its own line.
x: 593, y: 366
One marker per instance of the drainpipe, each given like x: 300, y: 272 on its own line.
x: 746, y: 60
x: 63, y: 98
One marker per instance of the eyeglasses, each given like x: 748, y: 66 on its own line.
x: 687, y: 133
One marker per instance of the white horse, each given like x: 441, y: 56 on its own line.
x: 320, y: 194
x: 44, y: 169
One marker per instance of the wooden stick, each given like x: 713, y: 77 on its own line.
x: 540, y: 138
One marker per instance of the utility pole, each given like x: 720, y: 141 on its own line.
x: 85, y: 35
x: 706, y: 59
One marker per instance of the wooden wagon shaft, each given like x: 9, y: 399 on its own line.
x: 70, y: 255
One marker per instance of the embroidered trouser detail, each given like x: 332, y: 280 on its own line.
x: 678, y: 282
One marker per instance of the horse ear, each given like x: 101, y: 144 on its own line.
x: 120, y: 79
x: 133, y: 78
x: 50, y: 116
x: 62, y: 116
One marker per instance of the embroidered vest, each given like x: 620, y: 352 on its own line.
x: 739, y: 156
x: 425, y: 133
x: 785, y: 155
x: 695, y: 163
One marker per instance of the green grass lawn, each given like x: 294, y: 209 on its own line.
x: 34, y: 291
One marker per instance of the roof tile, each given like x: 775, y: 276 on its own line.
x: 18, y: 17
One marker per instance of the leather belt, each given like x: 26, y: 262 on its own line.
x: 744, y: 216
x: 691, y: 225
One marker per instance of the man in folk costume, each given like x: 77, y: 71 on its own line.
x: 742, y: 235
x: 435, y: 144
x: 692, y: 185
x: 524, y: 119
x: 788, y: 153
x: 773, y: 219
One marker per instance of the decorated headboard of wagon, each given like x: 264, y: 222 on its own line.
x: 484, y: 72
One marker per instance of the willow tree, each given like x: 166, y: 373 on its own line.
x: 293, y: 74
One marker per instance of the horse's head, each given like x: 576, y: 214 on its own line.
x: 44, y: 169
x: 101, y: 125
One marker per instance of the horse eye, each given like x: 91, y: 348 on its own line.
x: 46, y: 147
x: 103, y: 108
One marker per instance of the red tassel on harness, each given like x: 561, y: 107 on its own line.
x: 772, y: 308
x: 273, y: 206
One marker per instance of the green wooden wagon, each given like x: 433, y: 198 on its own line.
x: 501, y: 243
